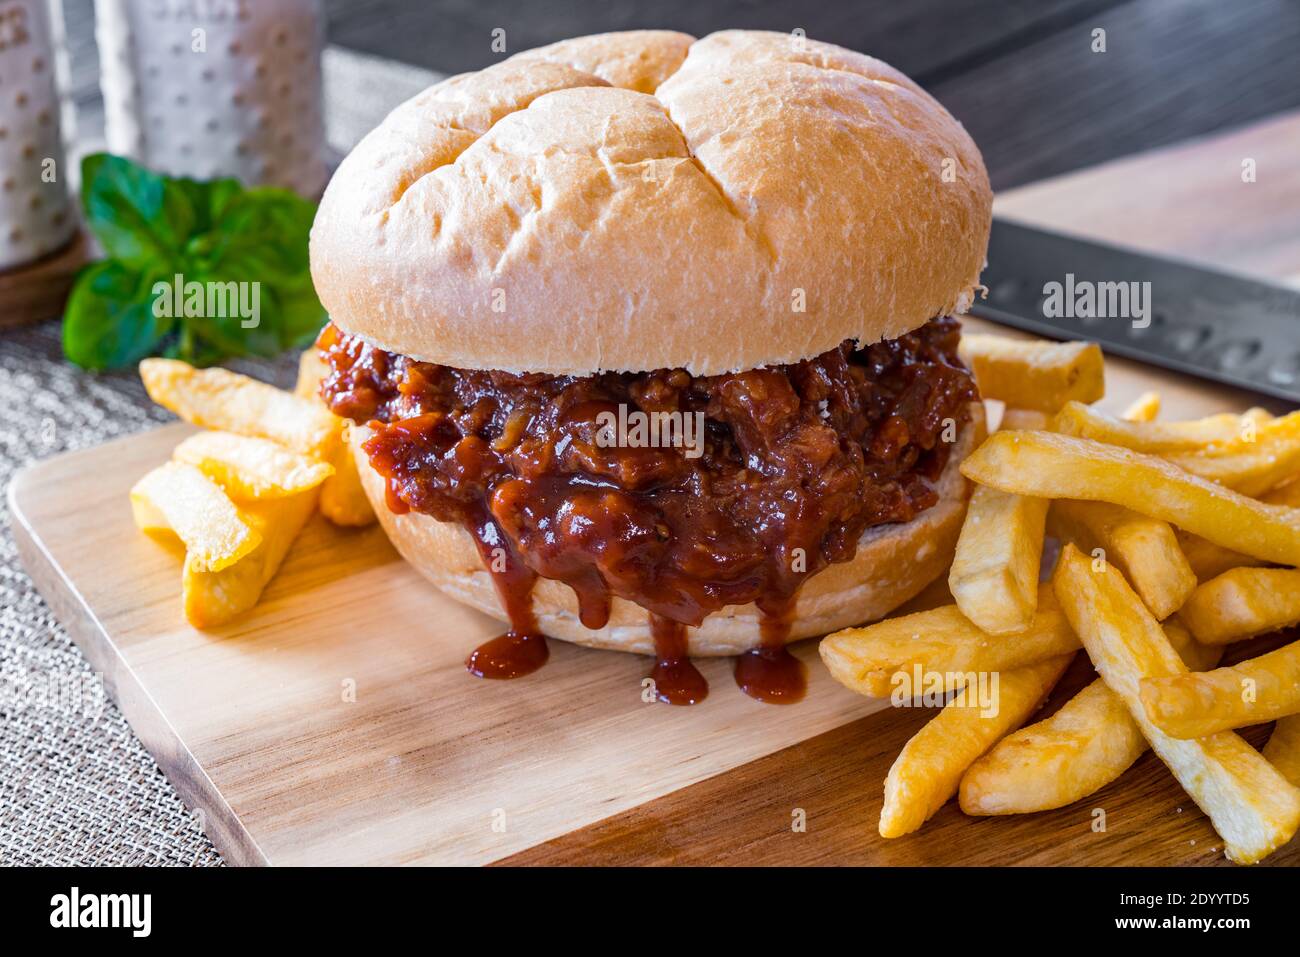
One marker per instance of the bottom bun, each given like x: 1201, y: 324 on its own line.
x: 892, y: 565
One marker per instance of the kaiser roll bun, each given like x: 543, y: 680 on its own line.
x: 637, y: 201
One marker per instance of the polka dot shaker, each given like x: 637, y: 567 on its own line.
x: 211, y: 88
x: 36, y: 213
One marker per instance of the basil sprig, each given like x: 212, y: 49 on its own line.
x: 155, y: 228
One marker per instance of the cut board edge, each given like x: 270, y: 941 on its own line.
x: 219, y: 821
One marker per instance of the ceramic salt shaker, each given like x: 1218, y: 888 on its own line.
x: 36, y: 214
x: 211, y: 88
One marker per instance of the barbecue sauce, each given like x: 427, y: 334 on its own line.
x: 769, y: 672
x: 522, y: 649
x: 676, y: 680
x: 793, y: 464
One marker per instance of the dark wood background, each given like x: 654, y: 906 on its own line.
x: 1020, y: 74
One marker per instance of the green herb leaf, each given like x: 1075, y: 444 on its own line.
x: 141, y: 219
x: 260, y: 231
x: 156, y: 227
x: 110, y: 320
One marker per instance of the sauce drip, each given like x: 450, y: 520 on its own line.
x: 522, y: 649
x: 769, y: 673
x: 677, y: 681
x: 511, y: 655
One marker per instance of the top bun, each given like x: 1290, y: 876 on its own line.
x: 637, y: 201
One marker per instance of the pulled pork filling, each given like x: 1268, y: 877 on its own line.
x: 772, y: 474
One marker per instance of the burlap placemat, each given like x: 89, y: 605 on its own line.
x: 76, y: 785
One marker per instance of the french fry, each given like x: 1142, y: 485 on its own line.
x: 1209, y: 560
x: 1197, y: 656
x: 1085, y: 422
x: 311, y: 370
x: 1250, y: 692
x: 1084, y: 746
x: 1049, y: 465
x: 251, y: 468
x: 880, y: 659
x: 342, y: 498
x: 1250, y: 472
x: 994, y: 574
x: 1250, y: 804
x: 1264, y: 454
x: 1088, y: 743
x: 928, y: 770
x: 215, y: 532
x: 220, y: 399
x: 1258, y: 426
x: 1034, y: 374
x: 1145, y: 549
x: 212, y: 598
x: 1013, y: 419
x: 1287, y: 494
x: 1283, y: 748
x: 1242, y: 603
x: 1145, y: 408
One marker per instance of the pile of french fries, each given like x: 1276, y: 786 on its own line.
x: 236, y: 496
x: 1176, y: 539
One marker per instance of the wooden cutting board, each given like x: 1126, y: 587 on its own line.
x: 336, y: 724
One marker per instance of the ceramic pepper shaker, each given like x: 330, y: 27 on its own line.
x: 36, y: 214
x: 210, y: 88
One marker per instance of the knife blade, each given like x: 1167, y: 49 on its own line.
x: 1204, y: 322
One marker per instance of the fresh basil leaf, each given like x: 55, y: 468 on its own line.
x: 298, y: 315
x: 109, y: 321
x: 261, y: 233
x: 221, y: 193
x: 223, y: 326
x: 205, y: 232
x: 142, y: 219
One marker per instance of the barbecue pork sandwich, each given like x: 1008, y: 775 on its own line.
x: 648, y: 339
